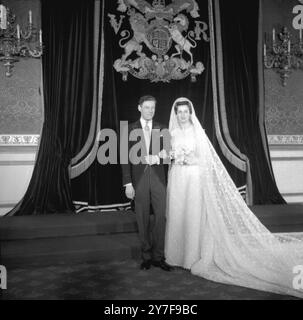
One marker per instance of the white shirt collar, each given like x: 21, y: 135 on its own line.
x: 143, y: 123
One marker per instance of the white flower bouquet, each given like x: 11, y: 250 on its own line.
x: 182, y: 155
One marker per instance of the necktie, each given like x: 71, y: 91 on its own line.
x: 147, y: 136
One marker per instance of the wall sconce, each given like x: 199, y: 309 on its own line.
x: 17, y: 42
x: 283, y: 55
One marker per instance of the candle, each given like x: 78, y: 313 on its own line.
x: 288, y: 46
x: 40, y: 37
x: 30, y: 16
x: 18, y: 31
x: 300, y: 33
x: 3, y: 20
x: 264, y: 50
x: 274, y: 34
x: 1, y: 13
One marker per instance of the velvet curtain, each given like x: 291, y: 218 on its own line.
x: 68, y: 81
x: 239, y: 34
x: 100, y: 187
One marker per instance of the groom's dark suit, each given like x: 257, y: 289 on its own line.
x: 149, y: 182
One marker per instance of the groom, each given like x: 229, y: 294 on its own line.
x: 145, y: 182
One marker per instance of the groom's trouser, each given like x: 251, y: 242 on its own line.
x: 151, y: 190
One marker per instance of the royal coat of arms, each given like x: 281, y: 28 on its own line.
x: 155, y: 28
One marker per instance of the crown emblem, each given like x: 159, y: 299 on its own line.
x: 159, y: 46
x: 158, y: 4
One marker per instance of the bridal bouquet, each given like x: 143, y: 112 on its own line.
x: 182, y: 155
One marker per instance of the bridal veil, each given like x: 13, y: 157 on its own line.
x: 236, y: 248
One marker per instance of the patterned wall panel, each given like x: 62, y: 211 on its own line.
x: 21, y: 109
x: 283, y: 105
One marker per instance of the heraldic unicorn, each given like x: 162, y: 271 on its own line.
x: 155, y: 28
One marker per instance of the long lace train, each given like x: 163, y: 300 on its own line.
x: 230, y: 244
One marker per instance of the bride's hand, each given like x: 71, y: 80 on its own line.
x: 152, y: 159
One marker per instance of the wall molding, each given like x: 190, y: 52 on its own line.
x: 4, y: 205
x: 33, y: 139
x: 18, y: 149
x: 285, y: 139
x: 19, y: 139
x: 281, y: 158
x: 292, y: 193
x: 287, y: 162
x: 17, y: 163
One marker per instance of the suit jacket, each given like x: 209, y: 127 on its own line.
x: 133, y: 172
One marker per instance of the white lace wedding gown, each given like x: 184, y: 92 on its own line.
x: 185, y: 206
x: 211, y: 231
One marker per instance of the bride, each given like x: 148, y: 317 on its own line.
x: 209, y: 228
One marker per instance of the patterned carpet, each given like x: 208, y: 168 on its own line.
x: 121, y: 280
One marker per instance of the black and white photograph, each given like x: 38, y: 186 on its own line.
x: 151, y: 151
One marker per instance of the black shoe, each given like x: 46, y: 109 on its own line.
x: 146, y: 264
x: 163, y: 265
